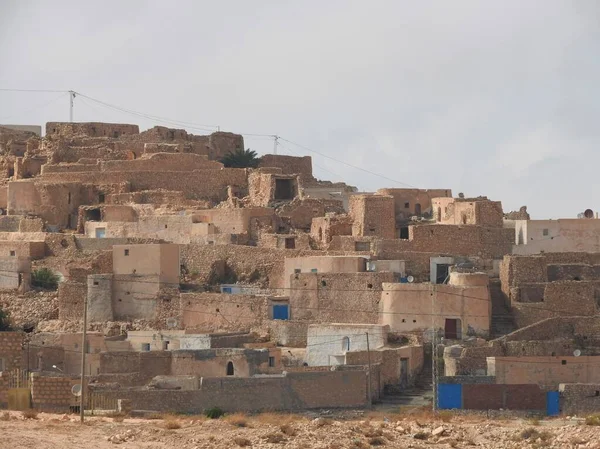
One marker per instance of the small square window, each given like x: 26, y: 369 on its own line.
x: 545, y: 232
x: 127, y: 252
x: 313, y: 270
x: 96, y: 283
x: 271, y: 362
x: 13, y: 253
x: 297, y: 270
x: 406, y: 205
x: 564, y: 362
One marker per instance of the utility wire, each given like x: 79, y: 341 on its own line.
x: 33, y: 90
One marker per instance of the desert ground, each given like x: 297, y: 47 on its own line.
x: 273, y: 430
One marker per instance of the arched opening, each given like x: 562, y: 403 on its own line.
x: 345, y: 344
x: 439, y: 214
x: 320, y: 234
x: 230, y: 368
x: 464, y: 218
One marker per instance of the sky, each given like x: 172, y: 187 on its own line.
x: 494, y: 98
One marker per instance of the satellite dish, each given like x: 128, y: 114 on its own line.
x: 76, y: 390
x: 171, y: 323
x: 577, y: 353
x: 410, y: 279
x: 589, y: 213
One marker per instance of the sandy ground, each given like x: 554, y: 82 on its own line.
x: 292, y: 431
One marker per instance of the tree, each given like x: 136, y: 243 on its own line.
x: 4, y: 321
x: 240, y: 158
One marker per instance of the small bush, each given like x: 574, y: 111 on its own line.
x: 155, y: 416
x: 237, y: 419
x: 288, y: 430
x: 275, y: 438
x: 592, y: 420
x: 44, y: 278
x: 115, y: 414
x: 377, y: 441
x: 534, y: 422
x: 172, y: 424
x: 29, y: 414
x: 242, y: 442
x: 118, y: 418
x: 446, y: 415
x: 214, y: 413
x: 421, y: 435
x: 5, y: 416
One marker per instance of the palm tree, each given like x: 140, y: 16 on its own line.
x: 240, y: 158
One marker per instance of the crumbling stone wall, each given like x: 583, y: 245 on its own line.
x: 300, y: 212
x: 289, y: 165
x: 324, y: 229
x: 409, y: 202
x: 92, y: 129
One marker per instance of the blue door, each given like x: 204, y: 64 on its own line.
x: 281, y: 312
x: 552, y: 403
x: 449, y: 396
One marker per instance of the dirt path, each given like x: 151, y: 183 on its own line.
x: 291, y: 431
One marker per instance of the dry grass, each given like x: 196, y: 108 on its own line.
x: 358, y: 444
x: 533, y: 434
x: 118, y: 418
x: 322, y: 422
x: 288, y: 430
x: 155, y: 416
x: 277, y: 419
x: 371, y: 432
x: 29, y: 414
x: 534, y: 422
x: 446, y: 415
x: 236, y: 419
x: 275, y: 438
x: 5, y: 416
x: 592, y: 420
x: 377, y: 441
x: 242, y: 442
x: 170, y: 422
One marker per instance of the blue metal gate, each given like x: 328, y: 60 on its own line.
x: 552, y: 403
x: 449, y: 396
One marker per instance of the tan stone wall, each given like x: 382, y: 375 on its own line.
x: 423, y: 197
x: 289, y: 165
x: 211, y: 312
x: 547, y: 372
x: 373, y: 215
x: 52, y: 393
x: 337, y: 297
x: 11, y: 350
x: 294, y: 391
x: 324, y: 229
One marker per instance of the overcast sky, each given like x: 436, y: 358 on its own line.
x: 487, y: 98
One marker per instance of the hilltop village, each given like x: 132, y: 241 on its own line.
x: 249, y: 289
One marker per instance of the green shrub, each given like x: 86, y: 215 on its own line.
x: 214, y: 413
x: 44, y: 278
x: 4, y: 321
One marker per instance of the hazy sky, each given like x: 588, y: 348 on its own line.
x: 486, y: 98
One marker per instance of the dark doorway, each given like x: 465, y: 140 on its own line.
x: 442, y: 273
x: 290, y: 243
x: 101, y: 198
x: 93, y: 214
x: 417, y: 209
x: 284, y: 189
x: 451, y: 329
x: 404, y: 232
x: 404, y: 372
x: 230, y: 368
x: 439, y: 214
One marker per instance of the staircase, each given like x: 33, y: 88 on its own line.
x: 502, y: 319
x: 419, y: 395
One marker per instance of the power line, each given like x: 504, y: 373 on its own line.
x: 34, y: 90
x: 41, y: 106
x: 348, y: 164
